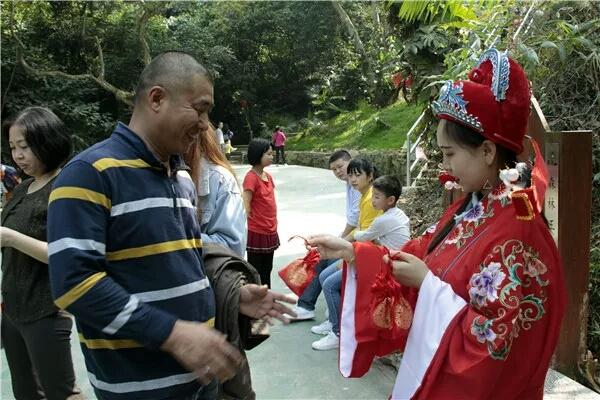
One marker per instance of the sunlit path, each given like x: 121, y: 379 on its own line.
x: 309, y: 200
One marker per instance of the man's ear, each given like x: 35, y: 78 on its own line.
x: 489, y: 151
x: 156, y: 97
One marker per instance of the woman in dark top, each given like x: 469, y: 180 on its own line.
x: 35, y: 333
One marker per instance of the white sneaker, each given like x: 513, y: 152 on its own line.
x: 329, y: 342
x: 303, y: 314
x: 322, y: 329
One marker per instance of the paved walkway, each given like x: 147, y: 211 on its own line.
x: 309, y: 200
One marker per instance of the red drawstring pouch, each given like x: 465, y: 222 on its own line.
x: 298, y: 274
x: 391, y: 312
x: 376, y: 312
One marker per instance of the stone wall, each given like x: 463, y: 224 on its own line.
x: 387, y: 162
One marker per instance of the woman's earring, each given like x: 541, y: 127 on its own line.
x: 487, y: 185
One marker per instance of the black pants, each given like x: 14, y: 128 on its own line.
x: 279, y: 150
x: 39, y: 357
x: 263, y: 262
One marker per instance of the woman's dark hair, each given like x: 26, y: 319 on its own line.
x: 468, y: 138
x: 256, y: 149
x: 45, y: 134
x: 358, y: 165
x: 388, y: 185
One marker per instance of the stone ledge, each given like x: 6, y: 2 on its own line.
x: 560, y: 387
x: 387, y: 162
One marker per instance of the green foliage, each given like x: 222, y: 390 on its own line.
x: 364, y: 128
x: 428, y: 11
x: 561, y: 55
x: 593, y: 342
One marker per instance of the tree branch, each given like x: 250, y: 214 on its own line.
x: 141, y: 32
x: 121, y: 95
x: 100, y: 57
x: 358, y: 44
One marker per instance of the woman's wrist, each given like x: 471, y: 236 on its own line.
x: 7, y: 239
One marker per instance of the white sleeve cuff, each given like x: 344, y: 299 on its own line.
x: 437, y: 305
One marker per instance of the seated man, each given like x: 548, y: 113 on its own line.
x: 305, y: 309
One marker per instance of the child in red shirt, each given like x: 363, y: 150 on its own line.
x: 259, y: 201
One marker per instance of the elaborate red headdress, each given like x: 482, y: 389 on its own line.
x: 495, y: 101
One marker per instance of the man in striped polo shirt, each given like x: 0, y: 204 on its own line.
x: 125, y: 252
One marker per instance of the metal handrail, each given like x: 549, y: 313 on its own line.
x: 409, y: 148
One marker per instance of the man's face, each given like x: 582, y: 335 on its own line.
x: 185, y: 115
x: 339, y: 168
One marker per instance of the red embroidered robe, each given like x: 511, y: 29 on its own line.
x: 487, y: 316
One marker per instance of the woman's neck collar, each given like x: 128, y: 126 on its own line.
x: 46, y: 176
x: 258, y: 169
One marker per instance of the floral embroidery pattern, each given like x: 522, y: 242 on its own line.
x: 533, y: 266
x: 501, y: 193
x: 485, y: 285
x: 482, y: 329
x: 474, y: 213
x: 511, y: 267
x: 465, y: 229
x: 456, y: 235
x: 431, y: 229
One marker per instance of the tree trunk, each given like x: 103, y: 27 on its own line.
x: 366, y: 64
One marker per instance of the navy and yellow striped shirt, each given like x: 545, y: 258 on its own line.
x: 126, y: 260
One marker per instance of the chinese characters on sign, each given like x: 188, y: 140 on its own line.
x: 551, y: 201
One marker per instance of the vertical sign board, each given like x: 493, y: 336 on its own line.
x: 551, y: 155
x: 574, y: 224
x: 567, y: 207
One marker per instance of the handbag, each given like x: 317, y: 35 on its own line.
x: 298, y: 274
x: 391, y: 313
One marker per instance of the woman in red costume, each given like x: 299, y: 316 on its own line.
x: 484, y: 284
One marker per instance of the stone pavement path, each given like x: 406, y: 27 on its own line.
x: 309, y: 200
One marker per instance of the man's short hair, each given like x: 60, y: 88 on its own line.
x: 340, y: 154
x: 171, y: 70
x: 388, y: 185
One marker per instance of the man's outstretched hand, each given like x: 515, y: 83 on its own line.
x: 203, y: 350
x: 259, y: 302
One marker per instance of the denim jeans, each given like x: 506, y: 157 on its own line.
x: 311, y: 293
x: 331, y: 281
